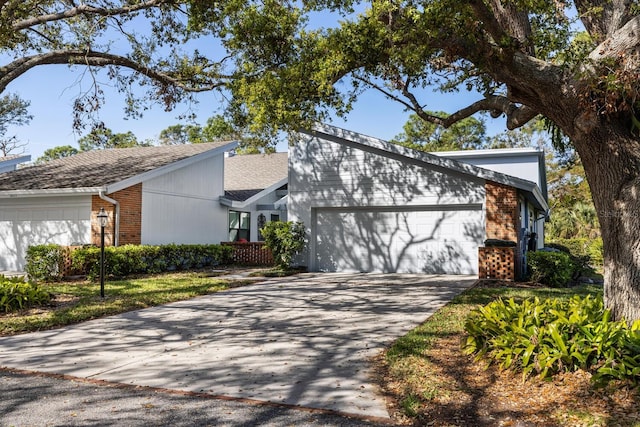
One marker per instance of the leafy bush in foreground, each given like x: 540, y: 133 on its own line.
x: 550, y: 336
x: 16, y: 294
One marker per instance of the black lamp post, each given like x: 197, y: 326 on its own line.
x: 102, y: 219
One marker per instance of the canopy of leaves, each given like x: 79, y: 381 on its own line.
x: 57, y: 153
x: 13, y: 112
x: 418, y: 134
x: 101, y: 138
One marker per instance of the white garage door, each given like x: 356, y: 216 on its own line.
x: 412, y: 240
x: 33, y: 221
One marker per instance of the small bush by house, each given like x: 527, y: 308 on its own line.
x: 43, y: 262
x: 16, y: 294
x: 554, y: 269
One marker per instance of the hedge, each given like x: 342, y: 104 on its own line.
x: 124, y: 260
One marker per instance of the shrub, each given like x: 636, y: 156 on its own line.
x: 285, y: 239
x: 550, y: 268
x: 591, y: 249
x: 139, y: 259
x: 43, y: 262
x: 16, y: 294
x: 550, y: 336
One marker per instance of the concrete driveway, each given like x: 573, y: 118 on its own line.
x: 302, y: 341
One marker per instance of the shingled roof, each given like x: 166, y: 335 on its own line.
x: 100, y: 168
x: 247, y: 175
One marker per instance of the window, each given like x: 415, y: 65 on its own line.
x: 239, y: 225
x: 275, y: 217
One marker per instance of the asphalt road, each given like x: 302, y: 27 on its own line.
x: 40, y: 400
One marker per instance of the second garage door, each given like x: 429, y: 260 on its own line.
x: 412, y: 240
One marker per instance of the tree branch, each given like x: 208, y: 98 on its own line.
x: 84, y: 9
x: 516, y: 115
x: 15, y: 69
x: 620, y: 42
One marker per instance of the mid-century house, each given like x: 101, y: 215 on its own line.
x: 198, y: 193
x: 153, y: 195
x: 370, y: 205
x: 10, y: 163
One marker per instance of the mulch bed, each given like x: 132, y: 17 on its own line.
x: 471, y: 393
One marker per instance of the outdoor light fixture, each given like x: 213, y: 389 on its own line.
x: 103, y: 218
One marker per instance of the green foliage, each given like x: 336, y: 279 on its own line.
x: 285, y: 239
x: 13, y: 112
x: 101, y: 138
x: 138, y: 259
x: 467, y: 134
x: 217, y: 128
x: 589, y: 252
x: 550, y: 268
x: 548, y: 336
x: 16, y: 294
x: 43, y: 262
x: 57, y: 153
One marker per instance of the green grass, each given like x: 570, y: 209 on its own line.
x: 120, y: 296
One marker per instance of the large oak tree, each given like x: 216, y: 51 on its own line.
x: 573, y: 62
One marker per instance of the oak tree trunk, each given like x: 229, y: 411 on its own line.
x: 611, y: 159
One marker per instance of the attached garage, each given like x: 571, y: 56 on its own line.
x: 373, y: 206
x: 421, y: 239
x: 41, y: 220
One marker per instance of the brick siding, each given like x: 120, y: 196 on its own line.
x: 501, y: 212
x: 251, y: 253
x: 130, y: 200
x: 502, y: 219
x: 496, y: 263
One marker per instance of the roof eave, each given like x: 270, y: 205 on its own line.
x: 244, y: 203
x: 9, y: 194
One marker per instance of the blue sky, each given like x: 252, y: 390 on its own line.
x: 52, y: 89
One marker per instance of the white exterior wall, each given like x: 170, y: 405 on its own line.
x: 521, y: 165
x: 63, y: 220
x: 183, y: 206
x: 369, y: 212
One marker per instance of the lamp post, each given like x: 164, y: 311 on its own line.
x: 102, y: 219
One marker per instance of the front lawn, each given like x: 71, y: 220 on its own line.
x: 74, y: 302
x: 433, y: 383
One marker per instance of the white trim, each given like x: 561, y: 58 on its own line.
x: 10, y: 194
x: 162, y: 170
x: 7, y: 165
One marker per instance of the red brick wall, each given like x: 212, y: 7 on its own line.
x: 496, y: 263
x: 130, y: 200
x: 502, y: 216
x: 250, y: 253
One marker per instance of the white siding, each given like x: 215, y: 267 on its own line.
x: 523, y: 166
x: 368, y: 212
x: 38, y: 220
x: 183, y: 206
